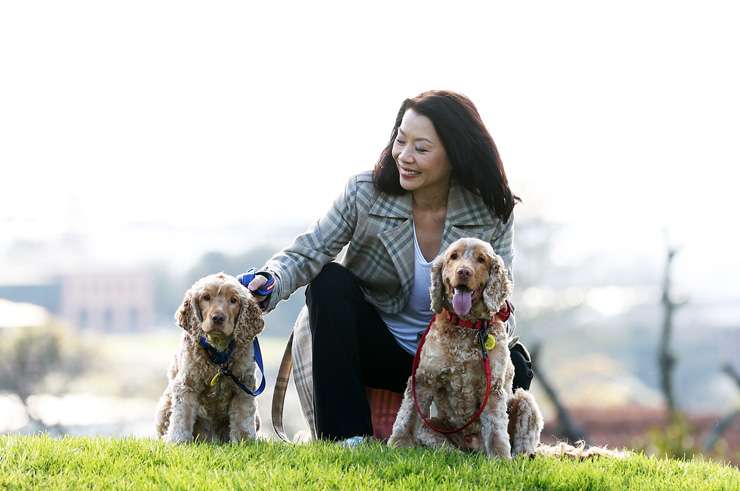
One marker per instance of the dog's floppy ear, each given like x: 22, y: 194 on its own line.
x: 437, y: 290
x: 249, y: 323
x: 498, y: 287
x: 188, y: 314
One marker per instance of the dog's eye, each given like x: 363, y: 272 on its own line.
x: 481, y: 259
x: 206, y: 297
x: 233, y: 300
x: 454, y: 255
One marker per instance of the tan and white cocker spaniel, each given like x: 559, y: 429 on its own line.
x: 464, y: 366
x: 203, y: 400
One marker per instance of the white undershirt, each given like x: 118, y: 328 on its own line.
x: 408, y: 324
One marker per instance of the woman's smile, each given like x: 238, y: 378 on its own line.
x: 407, y: 173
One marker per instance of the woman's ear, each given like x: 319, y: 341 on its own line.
x: 188, y: 314
x: 249, y: 323
x: 437, y: 290
x: 498, y: 288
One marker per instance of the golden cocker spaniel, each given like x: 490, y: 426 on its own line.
x: 475, y: 411
x: 199, y: 401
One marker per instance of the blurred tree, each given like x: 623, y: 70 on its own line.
x: 39, y: 359
x: 666, y: 359
x: 723, y: 424
x: 567, y: 427
x: 676, y: 438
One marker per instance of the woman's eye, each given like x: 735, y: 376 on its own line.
x: 422, y: 150
x: 400, y: 142
x: 206, y: 297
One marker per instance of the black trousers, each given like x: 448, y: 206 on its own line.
x: 353, y: 349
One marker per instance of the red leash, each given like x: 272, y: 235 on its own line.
x: 486, y: 363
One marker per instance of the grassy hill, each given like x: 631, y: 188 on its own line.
x: 40, y: 462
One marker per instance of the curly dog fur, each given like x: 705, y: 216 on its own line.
x: 450, y: 371
x: 221, y: 309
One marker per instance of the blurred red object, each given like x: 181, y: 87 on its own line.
x: 384, y: 406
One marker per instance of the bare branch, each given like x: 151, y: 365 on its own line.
x: 566, y: 426
x: 730, y: 371
x: 719, y: 429
x: 666, y: 359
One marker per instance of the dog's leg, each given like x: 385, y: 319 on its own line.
x: 242, y: 417
x: 525, y: 423
x: 203, y: 431
x: 164, y: 407
x: 162, y: 416
x: 494, y: 424
x: 430, y: 438
x: 402, y: 434
x: 182, y: 418
x: 409, y: 429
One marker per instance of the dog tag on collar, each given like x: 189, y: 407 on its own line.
x: 490, y: 342
x: 215, y: 378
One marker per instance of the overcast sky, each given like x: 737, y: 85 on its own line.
x: 618, y: 119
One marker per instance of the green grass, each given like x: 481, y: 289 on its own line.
x: 40, y: 462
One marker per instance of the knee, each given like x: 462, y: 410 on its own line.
x: 333, y: 279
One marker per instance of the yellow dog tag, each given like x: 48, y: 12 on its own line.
x: 215, y: 378
x: 490, y: 342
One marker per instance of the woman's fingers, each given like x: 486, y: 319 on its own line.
x: 257, y: 282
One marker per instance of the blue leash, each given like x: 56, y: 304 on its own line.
x: 221, y: 358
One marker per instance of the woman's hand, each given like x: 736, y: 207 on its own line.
x: 259, y: 284
x: 254, y: 285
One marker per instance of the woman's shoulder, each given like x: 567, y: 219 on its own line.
x: 363, y: 179
x: 362, y: 189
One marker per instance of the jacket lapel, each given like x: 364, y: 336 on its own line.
x: 398, y: 238
x: 467, y: 216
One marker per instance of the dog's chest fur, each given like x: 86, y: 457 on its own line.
x: 448, y: 356
x: 214, y: 400
x: 452, y: 368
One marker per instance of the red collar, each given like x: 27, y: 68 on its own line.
x: 470, y: 324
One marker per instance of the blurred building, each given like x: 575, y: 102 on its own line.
x: 121, y: 301
x: 115, y: 301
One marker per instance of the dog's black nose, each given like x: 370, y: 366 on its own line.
x: 464, y: 274
x: 218, y: 318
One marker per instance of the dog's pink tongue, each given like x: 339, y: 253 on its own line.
x: 461, y: 302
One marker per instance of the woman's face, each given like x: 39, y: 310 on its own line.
x: 419, y: 154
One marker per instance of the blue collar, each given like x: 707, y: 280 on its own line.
x: 217, y: 357
x: 222, y: 358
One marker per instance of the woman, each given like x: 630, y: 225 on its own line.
x: 438, y: 179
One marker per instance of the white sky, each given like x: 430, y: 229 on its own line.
x: 619, y: 119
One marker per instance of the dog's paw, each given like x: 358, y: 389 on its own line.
x: 400, y: 442
x: 238, y: 435
x: 302, y: 436
x: 178, y: 437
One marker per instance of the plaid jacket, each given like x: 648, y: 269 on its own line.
x: 377, y: 228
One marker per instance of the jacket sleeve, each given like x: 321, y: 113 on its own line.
x: 299, y: 263
x: 503, y: 244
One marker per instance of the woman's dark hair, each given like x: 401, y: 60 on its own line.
x: 473, y: 156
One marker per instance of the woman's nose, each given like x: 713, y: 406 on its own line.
x: 406, y: 155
